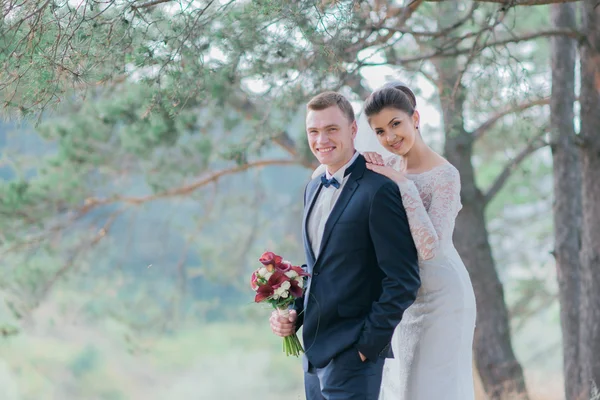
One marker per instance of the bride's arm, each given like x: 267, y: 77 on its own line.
x: 430, y: 228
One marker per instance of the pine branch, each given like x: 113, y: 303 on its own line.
x: 440, y: 33
x: 93, y: 202
x: 451, y: 51
x: 487, y: 125
x: 150, y: 4
x: 403, y: 14
x: 71, y: 263
x: 535, y: 144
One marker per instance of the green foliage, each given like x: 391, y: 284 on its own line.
x: 58, y: 47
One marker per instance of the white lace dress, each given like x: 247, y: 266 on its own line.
x: 433, y: 343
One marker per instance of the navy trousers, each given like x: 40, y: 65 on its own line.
x: 346, y: 377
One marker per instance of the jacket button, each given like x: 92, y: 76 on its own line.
x: 315, y: 273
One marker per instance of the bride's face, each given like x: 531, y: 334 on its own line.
x: 395, y: 129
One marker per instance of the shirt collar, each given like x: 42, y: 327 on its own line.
x: 339, y: 174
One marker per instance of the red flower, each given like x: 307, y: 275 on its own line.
x: 270, y: 260
x: 254, y: 281
x: 284, y: 266
x: 269, y: 257
x: 277, y: 279
x: 296, y: 290
x: 263, y: 293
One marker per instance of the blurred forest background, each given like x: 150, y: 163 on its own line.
x: 151, y: 150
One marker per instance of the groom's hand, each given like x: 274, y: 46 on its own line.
x: 282, y: 326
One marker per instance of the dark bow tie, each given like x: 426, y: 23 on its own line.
x: 330, y: 182
x: 334, y: 182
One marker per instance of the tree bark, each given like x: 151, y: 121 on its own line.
x: 567, y: 192
x: 589, y: 349
x: 500, y: 372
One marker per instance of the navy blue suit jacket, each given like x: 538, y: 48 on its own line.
x: 366, y: 274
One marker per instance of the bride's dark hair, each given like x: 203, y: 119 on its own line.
x: 392, y: 95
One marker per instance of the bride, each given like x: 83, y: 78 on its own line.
x: 433, y: 343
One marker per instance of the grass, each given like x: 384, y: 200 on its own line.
x: 209, y: 361
x: 65, y: 360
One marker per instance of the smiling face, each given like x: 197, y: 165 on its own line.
x: 331, y: 136
x: 395, y: 129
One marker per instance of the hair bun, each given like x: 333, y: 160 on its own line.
x: 401, y: 86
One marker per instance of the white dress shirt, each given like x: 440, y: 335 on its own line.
x: 324, y: 204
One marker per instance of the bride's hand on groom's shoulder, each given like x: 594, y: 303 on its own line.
x: 282, y: 326
x: 373, y: 157
x: 379, y: 166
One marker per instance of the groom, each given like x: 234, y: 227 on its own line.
x: 361, y: 259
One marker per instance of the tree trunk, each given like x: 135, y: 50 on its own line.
x: 589, y: 349
x: 501, y: 373
x: 567, y: 192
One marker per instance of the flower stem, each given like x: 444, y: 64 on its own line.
x: 292, y: 346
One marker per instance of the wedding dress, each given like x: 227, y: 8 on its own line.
x: 433, y: 343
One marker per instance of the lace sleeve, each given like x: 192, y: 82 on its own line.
x: 431, y: 227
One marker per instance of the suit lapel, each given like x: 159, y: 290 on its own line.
x: 312, y: 194
x: 336, y: 213
x: 342, y: 201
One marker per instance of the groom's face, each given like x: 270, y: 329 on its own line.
x: 331, y: 136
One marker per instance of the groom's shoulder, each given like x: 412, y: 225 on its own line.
x: 379, y: 187
x: 377, y: 181
x: 381, y: 190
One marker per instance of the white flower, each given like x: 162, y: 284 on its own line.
x: 275, y: 295
x: 262, y: 271
x: 300, y: 281
x: 281, y: 292
x: 291, y: 274
x: 267, y: 275
x: 286, y: 285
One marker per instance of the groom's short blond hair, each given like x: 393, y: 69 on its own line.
x: 329, y: 99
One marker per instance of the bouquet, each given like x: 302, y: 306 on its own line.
x: 279, y: 283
